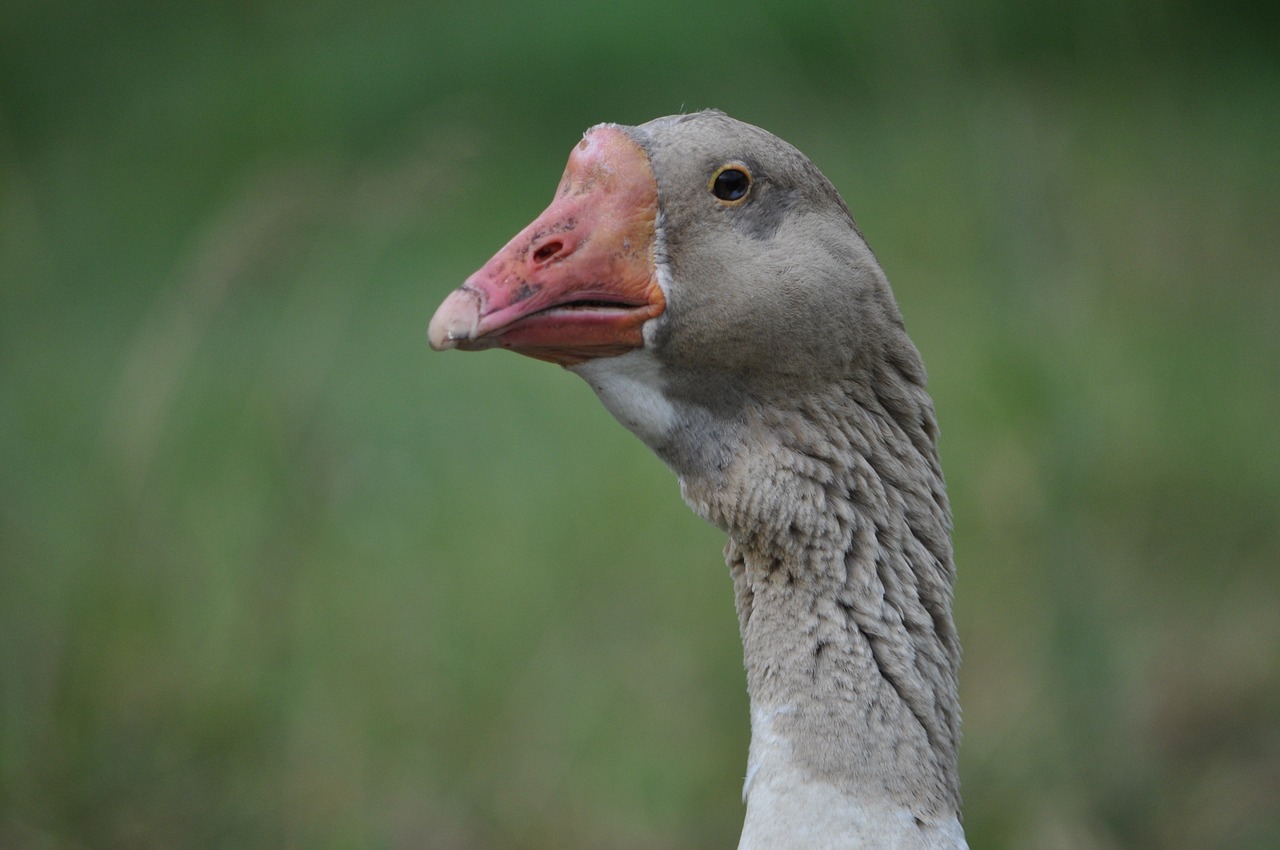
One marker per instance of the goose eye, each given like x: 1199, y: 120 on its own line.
x: 731, y: 183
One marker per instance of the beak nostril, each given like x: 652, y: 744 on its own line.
x: 548, y: 251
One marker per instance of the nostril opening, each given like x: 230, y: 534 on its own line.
x: 547, y: 251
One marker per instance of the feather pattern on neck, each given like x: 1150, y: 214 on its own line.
x: 840, y: 553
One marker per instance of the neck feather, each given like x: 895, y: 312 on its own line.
x: 840, y: 552
x: 839, y: 548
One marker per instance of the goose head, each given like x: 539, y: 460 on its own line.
x: 703, y: 250
x: 701, y: 275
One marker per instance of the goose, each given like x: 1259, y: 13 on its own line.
x: 710, y: 285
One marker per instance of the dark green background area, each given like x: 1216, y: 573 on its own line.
x: 273, y: 574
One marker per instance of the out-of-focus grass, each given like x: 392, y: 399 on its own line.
x: 271, y: 574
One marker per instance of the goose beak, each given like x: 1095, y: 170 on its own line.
x: 579, y: 282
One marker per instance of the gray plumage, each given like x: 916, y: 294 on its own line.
x: 781, y: 387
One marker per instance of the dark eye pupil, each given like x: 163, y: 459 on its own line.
x: 731, y: 185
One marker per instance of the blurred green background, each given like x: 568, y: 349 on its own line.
x: 272, y: 574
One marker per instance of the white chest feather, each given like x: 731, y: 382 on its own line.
x: 788, y: 810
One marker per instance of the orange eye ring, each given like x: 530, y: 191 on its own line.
x: 731, y: 183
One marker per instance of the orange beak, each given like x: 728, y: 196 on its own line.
x: 580, y: 281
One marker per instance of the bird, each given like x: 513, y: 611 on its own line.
x: 711, y: 286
